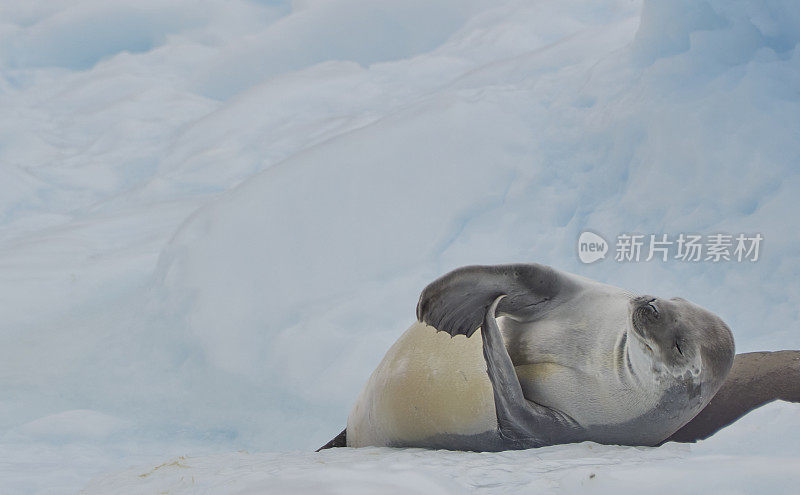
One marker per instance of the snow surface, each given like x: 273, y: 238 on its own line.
x: 743, y: 459
x: 216, y: 217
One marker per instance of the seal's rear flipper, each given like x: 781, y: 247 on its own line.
x: 755, y: 379
x: 521, y: 424
x: 339, y: 440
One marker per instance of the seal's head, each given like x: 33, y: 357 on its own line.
x: 682, y: 339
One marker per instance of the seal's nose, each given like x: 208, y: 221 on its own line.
x: 646, y: 299
x: 648, y: 305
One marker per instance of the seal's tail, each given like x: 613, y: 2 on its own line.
x: 339, y: 440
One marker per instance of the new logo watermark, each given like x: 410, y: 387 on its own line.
x: 663, y: 247
x: 591, y: 247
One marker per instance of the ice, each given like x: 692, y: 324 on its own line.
x: 216, y: 217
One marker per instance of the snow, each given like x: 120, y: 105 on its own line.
x: 216, y: 217
x: 736, y: 461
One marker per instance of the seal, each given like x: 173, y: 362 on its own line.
x: 560, y: 359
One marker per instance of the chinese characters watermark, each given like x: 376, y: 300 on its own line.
x: 663, y: 247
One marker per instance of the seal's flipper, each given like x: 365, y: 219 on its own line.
x: 457, y: 302
x: 755, y: 379
x: 339, y: 440
x: 521, y: 423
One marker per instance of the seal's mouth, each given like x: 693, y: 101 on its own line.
x: 643, y: 340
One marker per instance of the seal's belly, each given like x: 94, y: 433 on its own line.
x: 431, y: 390
x: 429, y: 386
x: 587, y: 398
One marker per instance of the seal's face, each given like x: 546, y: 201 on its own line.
x: 683, y: 339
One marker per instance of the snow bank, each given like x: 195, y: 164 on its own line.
x: 215, y: 217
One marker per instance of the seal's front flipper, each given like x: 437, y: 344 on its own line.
x: 457, y: 302
x: 521, y: 424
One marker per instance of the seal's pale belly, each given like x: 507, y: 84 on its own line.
x: 428, y: 384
